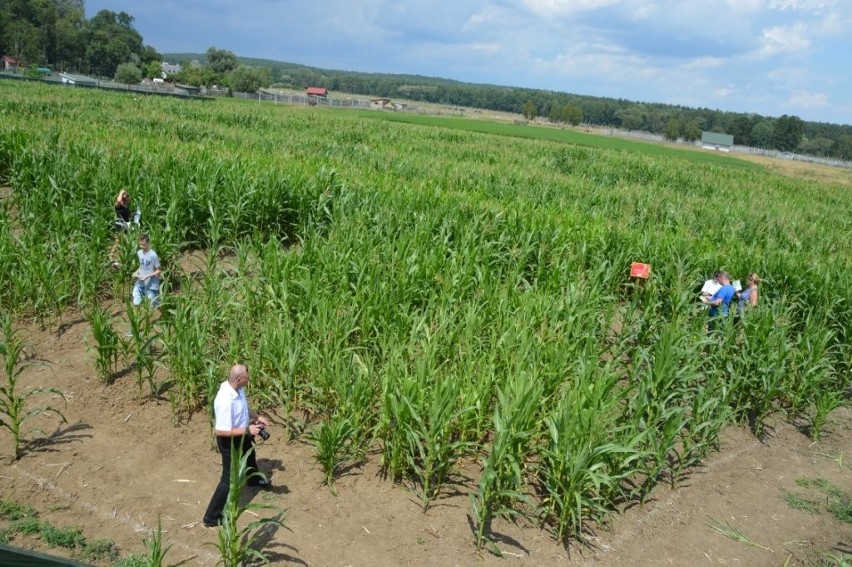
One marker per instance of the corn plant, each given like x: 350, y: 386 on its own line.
x: 235, y: 544
x: 191, y: 344
x: 434, y: 438
x: 500, y: 488
x: 394, y: 413
x: 142, y: 343
x: 586, y: 455
x: 15, y: 409
x: 824, y: 403
x: 154, y: 545
x: 109, y: 347
x: 760, y: 370
x: 277, y: 379
x: 663, y: 375
x: 709, y: 412
x: 332, y: 439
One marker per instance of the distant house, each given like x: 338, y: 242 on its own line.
x: 714, y: 141
x: 317, y: 91
x: 9, y: 63
x: 381, y: 104
x: 170, y: 69
x: 70, y: 79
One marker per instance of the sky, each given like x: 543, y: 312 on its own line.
x: 770, y: 57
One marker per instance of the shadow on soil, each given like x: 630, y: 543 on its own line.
x: 61, y: 436
x: 265, y: 544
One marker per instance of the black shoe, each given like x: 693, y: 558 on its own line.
x: 261, y: 484
x: 209, y: 525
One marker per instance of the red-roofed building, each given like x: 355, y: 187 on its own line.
x: 317, y: 91
x: 10, y: 63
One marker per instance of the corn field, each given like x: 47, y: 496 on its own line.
x: 434, y: 296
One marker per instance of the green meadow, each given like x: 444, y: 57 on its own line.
x: 433, y: 290
x: 568, y: 136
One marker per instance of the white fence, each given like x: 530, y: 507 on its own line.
x: 734, y: 149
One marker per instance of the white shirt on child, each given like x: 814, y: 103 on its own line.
x: 149, y: 262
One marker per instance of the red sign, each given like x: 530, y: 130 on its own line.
x: 640, y: 270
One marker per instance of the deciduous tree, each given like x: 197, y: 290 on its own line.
x: 842, y: 147
x: 529, y: 111
x: 761, y: 134
x: 787, y: 133
x: 221, y: 60
x: 672, y: 129
x: 248, y: 79
x: 111, y: 40
x: 153, y: 69
x: 128, y: 73
x: 691, y: 131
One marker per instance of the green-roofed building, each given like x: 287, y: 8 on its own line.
x: 714, y: 141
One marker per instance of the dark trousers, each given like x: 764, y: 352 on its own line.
x: 220, y: 496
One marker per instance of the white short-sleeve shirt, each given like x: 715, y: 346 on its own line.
x: 711, y: 287
x: 149, y: 263
x: 230, y: 408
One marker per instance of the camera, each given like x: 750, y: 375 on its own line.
x: 263, y: 433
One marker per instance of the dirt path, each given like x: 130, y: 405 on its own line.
x: 118, y: 465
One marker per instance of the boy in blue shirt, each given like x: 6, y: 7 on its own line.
x: 721, y: 300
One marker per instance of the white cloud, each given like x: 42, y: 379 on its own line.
x: 788, y: 76
x: 782, y: 40
x: 833, y: 24
x: 702, y: 63
x: 809, y: 100
x: 805, y: 5
x: 559, y: 8
x: 747, y: 6
x: 601, y: 66
x: 486, y: 47
x: 481, y: 17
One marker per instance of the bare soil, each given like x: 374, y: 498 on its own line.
x: 119, y: 464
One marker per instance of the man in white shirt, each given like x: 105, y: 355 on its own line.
x: 711, y: 286
x: 235, y: 425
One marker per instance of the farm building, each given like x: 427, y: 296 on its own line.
x: 70, y: 79
x: 714, y: 141
x: 9, y: 63
x: 381, y: 104
x: 170, y: 69
x: 317, y: 91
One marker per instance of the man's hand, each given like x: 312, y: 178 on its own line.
x: 254, y: 429
x: 261, y: 421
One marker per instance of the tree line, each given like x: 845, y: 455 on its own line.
x: 56, y: 33
x: 785, y: 133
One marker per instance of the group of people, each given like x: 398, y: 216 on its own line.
x: 718, y: 293
x: 147, y: 277
x: 235, y: 424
